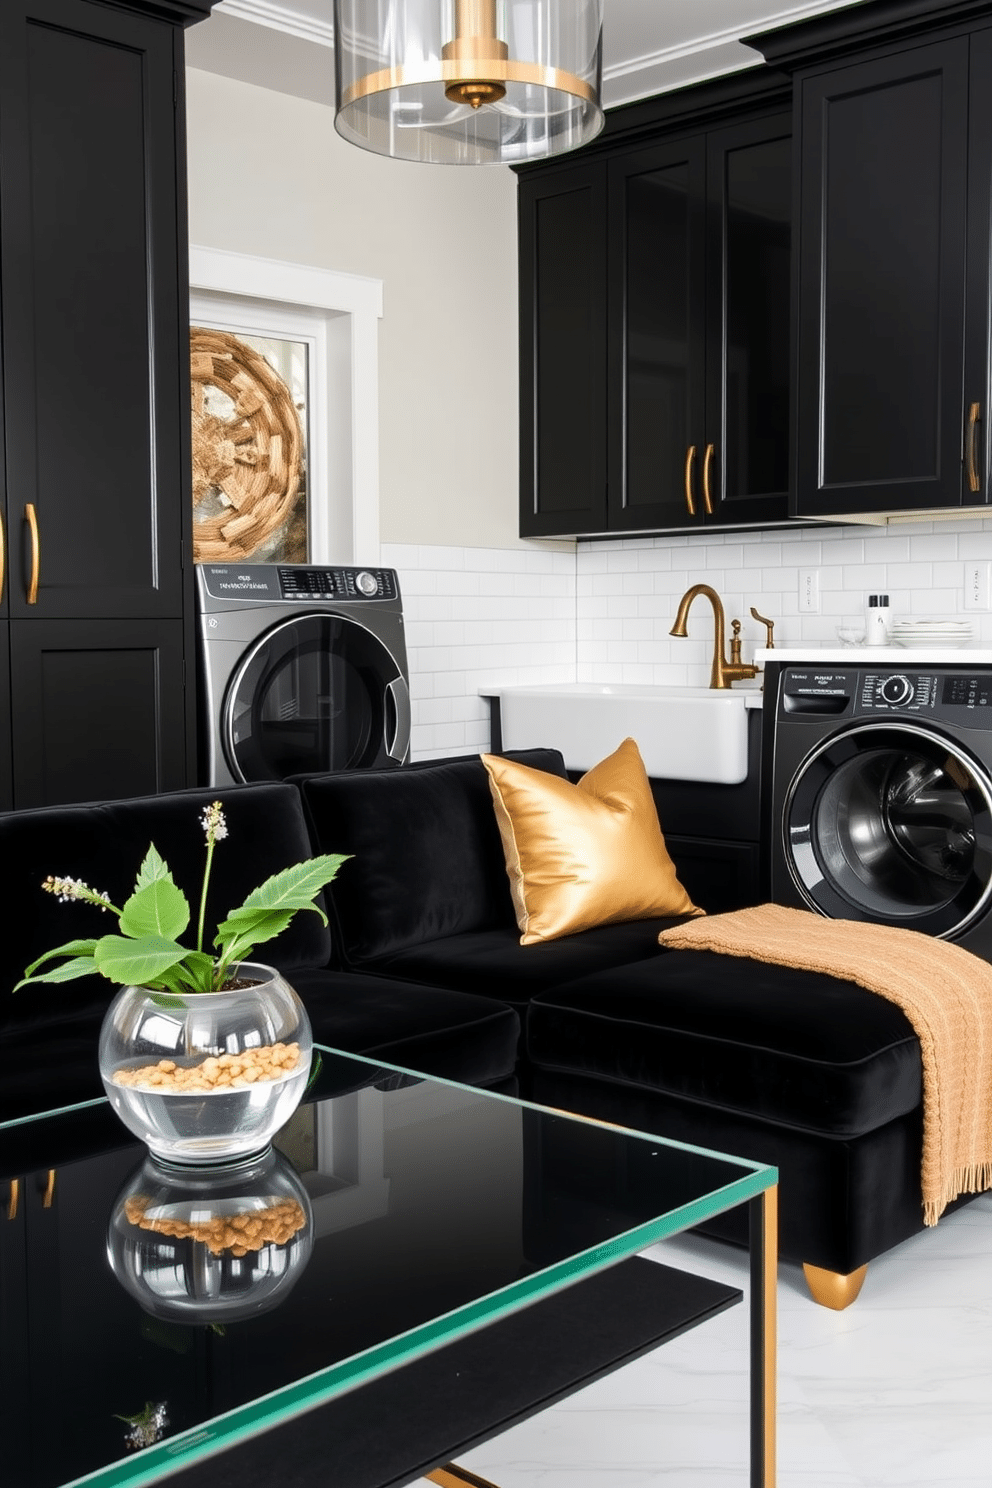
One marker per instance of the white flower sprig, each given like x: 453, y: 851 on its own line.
x: 74, y: 888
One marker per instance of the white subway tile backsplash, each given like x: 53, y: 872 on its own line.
x: 602, y: 611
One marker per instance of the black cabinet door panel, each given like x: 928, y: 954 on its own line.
x: 749, y: 319
x: 95, y: 712
x: 6, y: 779
x: 563, y: 353
x: 657, y: 335
x: 91, y: 316
x: 884, y: 220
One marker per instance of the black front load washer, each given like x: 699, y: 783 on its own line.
x: 881, y: 796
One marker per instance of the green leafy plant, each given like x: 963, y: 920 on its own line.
x: 147, y: 952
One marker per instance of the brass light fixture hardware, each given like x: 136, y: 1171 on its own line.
x: 31, y: 517
x: 831, y: 1289
x: 707, y: 467
x: 769, y: 628
x: 476, y: 45
x: 690, y: 456
x: 14, y: 1198
x: 974, y: 482
x: 722, y: 672
x: 468, y: 82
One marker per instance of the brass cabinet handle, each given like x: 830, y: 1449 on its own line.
x: 49, y: 1195
x: 707, y: 465
x: 15, y: 1194
x: 690, y: 456
x: 31, y: 517
x: 974, y: 484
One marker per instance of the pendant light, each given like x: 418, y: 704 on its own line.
x: 468, y: 82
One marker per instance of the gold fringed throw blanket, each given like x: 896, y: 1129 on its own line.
x: 945, y: 992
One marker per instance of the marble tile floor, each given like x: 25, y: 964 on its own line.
x: 895, y: 1392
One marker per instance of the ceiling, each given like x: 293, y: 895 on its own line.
x: 649, y: 46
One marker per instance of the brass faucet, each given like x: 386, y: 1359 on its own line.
x: 723, y: 672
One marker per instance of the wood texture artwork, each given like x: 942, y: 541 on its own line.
x: 248, y: 450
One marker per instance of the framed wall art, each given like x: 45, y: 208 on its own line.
x: 284, y: 412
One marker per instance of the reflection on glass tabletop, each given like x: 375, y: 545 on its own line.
x: 152, y: 1316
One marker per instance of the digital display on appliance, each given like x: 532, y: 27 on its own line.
x: 968, y: 692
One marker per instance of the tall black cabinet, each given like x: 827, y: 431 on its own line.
x: 96, y: 593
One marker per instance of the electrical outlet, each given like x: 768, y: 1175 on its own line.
x: 977, y: 584
x: 809, y: 591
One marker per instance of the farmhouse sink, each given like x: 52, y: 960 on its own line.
x: 683, y: 733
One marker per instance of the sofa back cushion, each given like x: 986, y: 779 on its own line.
x: 104, y: 844
x: 427, y: 857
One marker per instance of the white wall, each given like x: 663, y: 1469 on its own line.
x: 268, y: 176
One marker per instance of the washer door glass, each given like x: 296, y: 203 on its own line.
x: 314, y: 693
x: 892, y: 824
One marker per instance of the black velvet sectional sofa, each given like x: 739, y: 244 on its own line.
x: 422, y: 966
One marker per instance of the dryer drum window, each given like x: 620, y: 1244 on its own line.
x: 313, y: 693
x: 892, y: 824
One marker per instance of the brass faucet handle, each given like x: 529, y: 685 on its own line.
x: 735, y: 643
x: 769, y: 627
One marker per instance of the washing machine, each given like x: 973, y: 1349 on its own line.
x: 881, y: 796
x: 302, y: 669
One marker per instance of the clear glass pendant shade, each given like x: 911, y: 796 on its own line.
x: 468, y: 82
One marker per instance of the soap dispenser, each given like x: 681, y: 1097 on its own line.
x: 877, y: 620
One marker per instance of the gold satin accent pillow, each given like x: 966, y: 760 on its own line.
x: 583, y: 855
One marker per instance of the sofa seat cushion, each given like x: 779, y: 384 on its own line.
x: 794, y: 1047
x: 104, y: 845
x: 433, y: 1030
x: 493, y: 963
x: 427, y: 860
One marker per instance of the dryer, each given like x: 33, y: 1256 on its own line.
x: 881, y: 796
x: 302, y: 668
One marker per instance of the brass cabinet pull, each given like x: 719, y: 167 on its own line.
x: 690, y: 456
x: 32, y: 520
x: 49, y: 1194
x: 15, y: 1193
x: 974, y: 484
x: 707, y: 464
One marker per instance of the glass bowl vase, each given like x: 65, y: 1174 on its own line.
x: 211, y: 1245
x: 207, y: 1077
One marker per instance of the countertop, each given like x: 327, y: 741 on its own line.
x: 885, y: 656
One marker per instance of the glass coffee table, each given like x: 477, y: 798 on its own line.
x: 415, y: 1266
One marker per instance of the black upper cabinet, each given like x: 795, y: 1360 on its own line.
x: 882, y: 321
x: 655, y: 334
x: 562, y: 234
x: 95, y: 398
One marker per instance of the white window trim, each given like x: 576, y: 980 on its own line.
x: 337, y: 315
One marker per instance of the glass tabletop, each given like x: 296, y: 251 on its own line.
x: 150, y: 1316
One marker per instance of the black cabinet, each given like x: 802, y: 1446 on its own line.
x: 562, y: 237
x: 655, y: 334
x: 885, y: 216
x: 95, y: 399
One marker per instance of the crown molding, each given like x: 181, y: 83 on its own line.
x: 279, y: 18
x: 700, y: 45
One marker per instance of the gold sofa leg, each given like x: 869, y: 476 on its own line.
x: 453, y: 1476
x: 831, y: 1289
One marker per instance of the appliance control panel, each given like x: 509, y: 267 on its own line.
x: 265, y: 583
x: 955, y: 695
